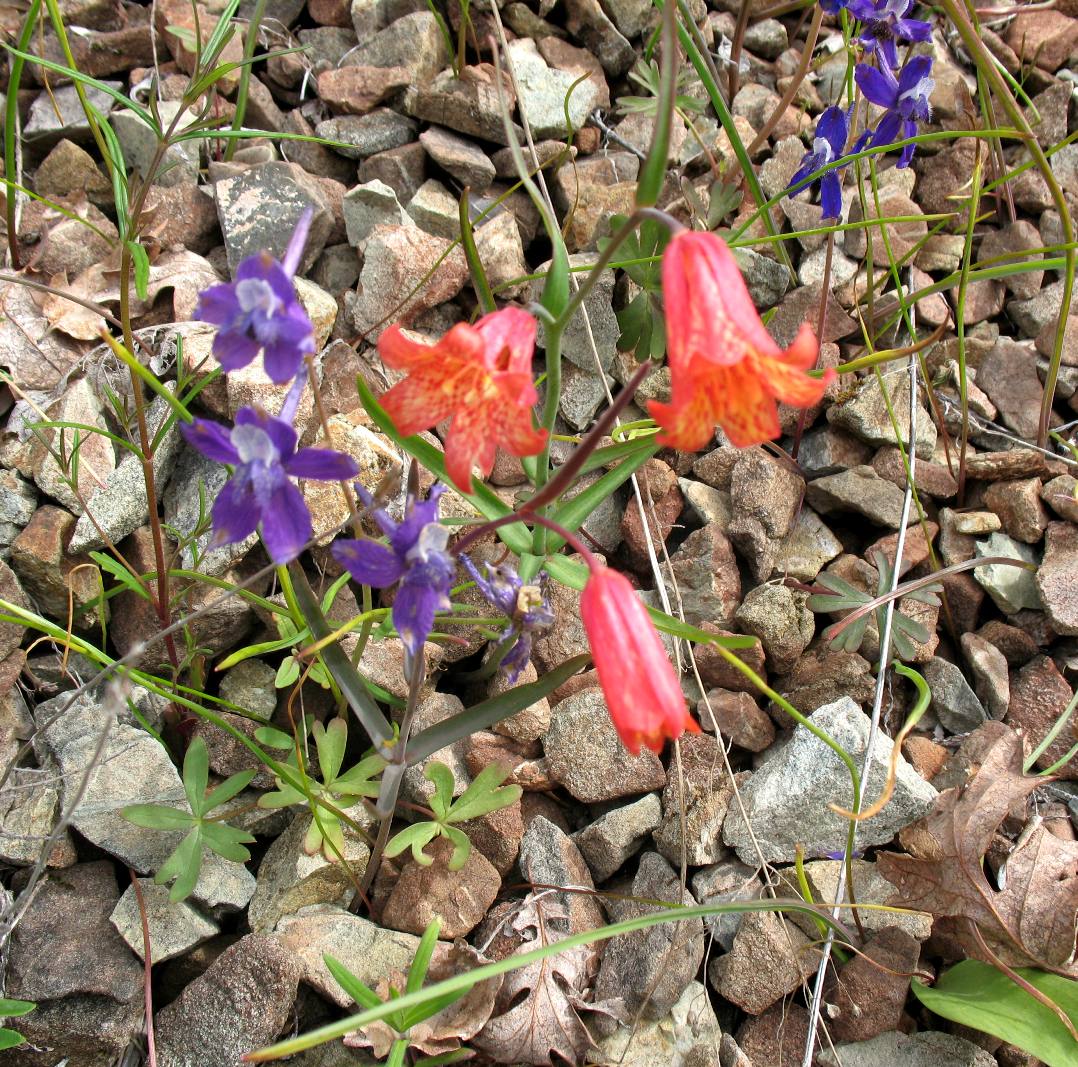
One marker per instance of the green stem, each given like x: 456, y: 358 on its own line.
x: 250, y: 42
x: 11, y: 125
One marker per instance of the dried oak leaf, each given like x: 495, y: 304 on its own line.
x: 447, y: 1030
x: 537, y: 1011
x: 1030, y: 920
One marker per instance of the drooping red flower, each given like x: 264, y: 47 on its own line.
x: 725, y: 368
x: 641, y: 689
x: 478, y: 376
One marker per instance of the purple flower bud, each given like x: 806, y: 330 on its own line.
x: 263, y: 451
x: 885, y: 23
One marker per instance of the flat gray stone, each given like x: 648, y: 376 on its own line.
x: 786, y: 800
x: 865, y: 415
x: 618, y: 835
x: 461, y: 158
x: 371, y: 952
x: 927, y: 1049
x: 860, y: 490
x: 1012, y: 588
x: 360, y: 136
x: 58, y: 113
x: 119, y: 507
x: 954, y: 702
x: 543, y: 92
x: 174, y: 928
x: 368, y: 205
x: 586, y: 756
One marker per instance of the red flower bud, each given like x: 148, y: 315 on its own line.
x: 642, y: 691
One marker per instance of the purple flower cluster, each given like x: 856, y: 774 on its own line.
x: 415, y: 560
x: 901, y: 88
x: 257, y: 312
x: 525, y: 607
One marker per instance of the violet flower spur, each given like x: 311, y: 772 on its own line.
x: 525, y: 606
x: 885, y: 23
x: 262, y: 449
x: 415, y: 557
x: 828, y: 144
x: 905, y: 100
x: 260, y: 310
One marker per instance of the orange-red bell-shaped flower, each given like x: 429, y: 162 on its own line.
x: 642, y: 691
x: 725, y: 368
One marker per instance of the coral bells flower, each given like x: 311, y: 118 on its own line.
x: 416, y: 557
x: 263, y: 451
x: 259, y: 310
x: 479, y: 377
x: 642, y: 692
x: 725, y: 368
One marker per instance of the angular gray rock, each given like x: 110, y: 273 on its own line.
x: 929, y: 1048
x: 585, y: 754
x: 174, y: 928
x: 859, y: 490
x: 865, y: 415
x: 651, y: 968
x: 786, y: 800
x: 119, y: 506
x: 618, y: 835
x: 954, y: 702
x: 243, y: 1001
x: 1012, y: 588
x: 549, y: 857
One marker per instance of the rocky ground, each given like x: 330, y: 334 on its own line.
x: 749, y: 534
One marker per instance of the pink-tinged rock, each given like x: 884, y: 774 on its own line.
x: 1057, y: 577
x: 1039, y: 695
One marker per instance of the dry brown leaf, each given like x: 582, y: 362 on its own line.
x: 537, y: 1011
x: 447, y: 1030
x: 72, y: 318
x: 1031, y: 919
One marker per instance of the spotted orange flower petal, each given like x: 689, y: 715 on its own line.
x: 477, y: 376
x: 725, y: 368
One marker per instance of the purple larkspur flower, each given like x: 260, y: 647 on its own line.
x: 415, y: 557
x: 905, y: 99
x: 885, y: 23
x: 829, y: 144
x: 525, y: 607
x: 262, y: 449
x: 260, y: 311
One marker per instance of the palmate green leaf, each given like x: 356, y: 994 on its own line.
x: 360, y: 780
x: 330, y: 742
x: 223, y: 793
x: 442, y: 778
x: 462, y: 847
x: 485, y: 794
x: 227, y: 841
x: 977, y: 995
x: 184, y: 865
x: 414, y: 837
x: 157, y: 816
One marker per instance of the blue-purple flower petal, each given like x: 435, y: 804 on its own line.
x: 234, y: 350
x: 413, y: 614
x: 211, y: 439
x: 325, y: 464
x: 286, y: 523
x: 279, y: 432
x: 235, y: 512
x: 830, y: 197
x: 878, y: 86
x: 369, y: 562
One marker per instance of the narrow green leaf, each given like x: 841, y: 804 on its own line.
x: 157, y: 817
x: 486, y: 714
x: 974, y: 994
x: 141, y: 262
x: 471, y: 254
x: 338, y: 664
x: 435, y: 1005
x: 330, y: 741
x: 442, y: 778
x: 414, y: 837
x: 184, y: 865
x: 417, y: 973
x: 462, y: 847
x: 361, y: 993
x: 227, y: 841
x: 196, y: 774
x: 223, y: 793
